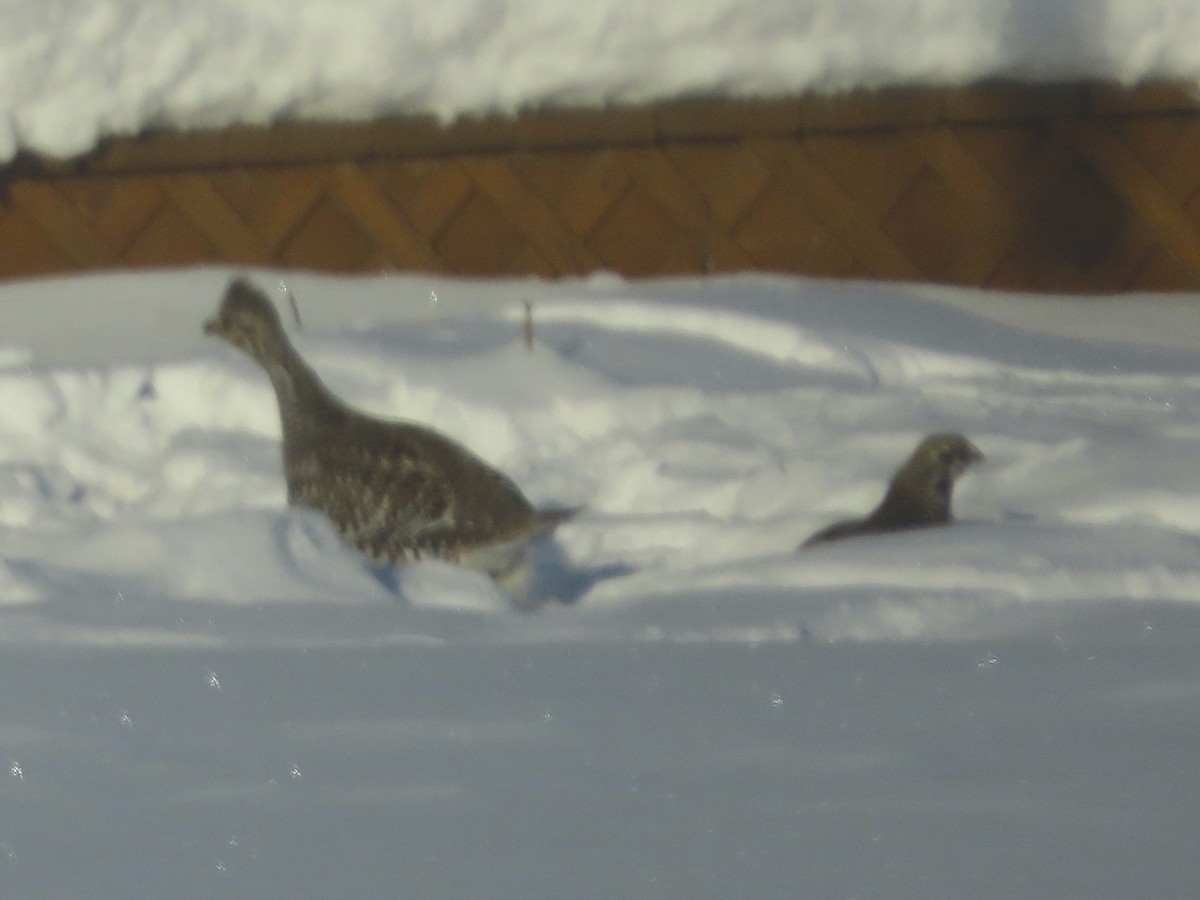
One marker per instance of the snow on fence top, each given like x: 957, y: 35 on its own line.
x: 74, y: 71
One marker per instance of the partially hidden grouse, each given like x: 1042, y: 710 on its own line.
x: 395, y: 490
x: 919, y: 495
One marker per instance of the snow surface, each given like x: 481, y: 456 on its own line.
x: 206, y: 695
x: 73, y: 71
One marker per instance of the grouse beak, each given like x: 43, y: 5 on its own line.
x: 212, y: 326
x: 974, y: 454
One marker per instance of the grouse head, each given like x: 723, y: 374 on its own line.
x: 921, y: 490
x: 248, y: 321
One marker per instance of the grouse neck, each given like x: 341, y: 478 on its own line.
x: 914, y: 501
x: 304, y: 401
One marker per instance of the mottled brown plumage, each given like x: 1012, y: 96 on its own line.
x: 397, y: 491
x: 919, y: 495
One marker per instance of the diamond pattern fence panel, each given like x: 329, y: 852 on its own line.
x: 1065, y: 188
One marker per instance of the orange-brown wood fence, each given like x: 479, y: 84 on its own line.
x: 1063, y: 188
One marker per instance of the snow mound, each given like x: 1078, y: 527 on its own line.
x: 708, y: 427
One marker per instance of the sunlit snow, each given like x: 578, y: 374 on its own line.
x: 206, y: 694
x: 708, y: 427
x: 75, y: 71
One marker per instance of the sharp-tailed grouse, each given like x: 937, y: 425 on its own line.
x: 395, y: 490
x: 919, y: 495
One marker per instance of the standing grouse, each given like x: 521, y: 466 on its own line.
x: 394, y: 490
x: 919, y: 495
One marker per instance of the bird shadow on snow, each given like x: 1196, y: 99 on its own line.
x: 552, y: 578
x: 556, y: 578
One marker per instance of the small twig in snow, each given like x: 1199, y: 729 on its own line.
x: 527, y: 330
x: 292, y: 305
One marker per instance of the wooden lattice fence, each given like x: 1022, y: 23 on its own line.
x: 1075, y: 188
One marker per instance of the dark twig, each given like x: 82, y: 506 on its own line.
x: 527, y: 330
x: 293, y: 306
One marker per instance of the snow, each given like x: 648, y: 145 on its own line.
x: 204, y: 688
x: 72, y: 72
x: 207, y: 695
x: 708, y: 427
